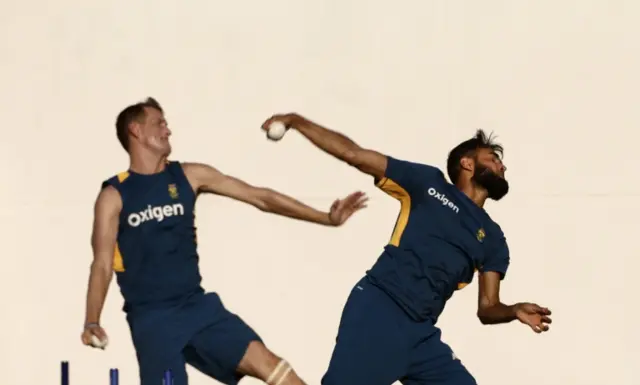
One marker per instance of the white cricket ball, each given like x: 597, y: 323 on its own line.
x: 96, y: 342
x: 276, y: 130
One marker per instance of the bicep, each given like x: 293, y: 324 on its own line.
x: 488, y: 289
x: 105, y: 226
x: 368, y: 161
x: 493, y: 271
x: 208, y: 179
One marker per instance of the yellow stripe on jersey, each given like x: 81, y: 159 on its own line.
x: 123, y: 176
x: 118, y: 264
x: 395, y: 190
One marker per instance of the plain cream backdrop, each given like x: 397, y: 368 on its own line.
x: 556, y: 80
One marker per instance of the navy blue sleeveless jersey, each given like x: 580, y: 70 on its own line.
x: 156, y: 258
x: 441, y: 238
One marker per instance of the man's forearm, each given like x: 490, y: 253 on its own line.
x: 497, y: 314
x: 332, y: 142
x: 99, y: 280
x: 278, y: 203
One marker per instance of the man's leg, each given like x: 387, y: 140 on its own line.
x: 262, y: 363
x: 371, y: 347
x: 434, y: 363
x: 229, y: 349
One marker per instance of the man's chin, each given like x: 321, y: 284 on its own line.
x: 164, y: 151
x: 497, y: 197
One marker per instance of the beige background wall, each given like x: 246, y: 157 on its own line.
x: 556, y: 80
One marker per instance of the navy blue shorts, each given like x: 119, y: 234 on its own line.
x: 200, y: 332
x: 378, y: 344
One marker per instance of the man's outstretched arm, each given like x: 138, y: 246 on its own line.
x: 207, y: 179
x: 334, y: 143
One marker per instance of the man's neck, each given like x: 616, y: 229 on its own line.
x: 476, y: 194
x: 147, y: 163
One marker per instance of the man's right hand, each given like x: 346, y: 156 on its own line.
x: 288, y: 120
x: 93, y: 330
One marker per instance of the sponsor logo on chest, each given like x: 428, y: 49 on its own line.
x: 155, y: 213
x: 444, y: 200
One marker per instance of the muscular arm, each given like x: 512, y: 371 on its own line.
x: 336, y: 144
x: 490, y: 309
x: 207, y: 179
x: 103, y: 241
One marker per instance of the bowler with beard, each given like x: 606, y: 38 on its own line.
x: 441, y: 238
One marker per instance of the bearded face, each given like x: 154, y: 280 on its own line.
x: 489, y: 174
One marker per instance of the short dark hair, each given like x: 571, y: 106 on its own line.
x: 130, y: 114
x: 468, y: 148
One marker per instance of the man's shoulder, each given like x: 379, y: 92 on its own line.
x: 193, y: 170
x: 493, y: 227
x: 109, y: 198
x: 116, y: 180
x: 425, y: 169
x: 189, y: 165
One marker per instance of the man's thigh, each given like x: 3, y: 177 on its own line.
x: 217, y: 349
x: 371, y: 348
x: 155, y: 359
x: 433, y: 362
x: 159, y: 337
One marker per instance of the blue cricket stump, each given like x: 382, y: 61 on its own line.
x: 168, y: 378
x: 64, y: 372
x: 113, y: 376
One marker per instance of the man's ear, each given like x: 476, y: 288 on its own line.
x: 467, y: 164
x: 135, y: 129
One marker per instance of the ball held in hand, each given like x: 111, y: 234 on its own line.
x: 98, y: 343
x: 276, y: 130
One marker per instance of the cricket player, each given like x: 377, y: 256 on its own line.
x: 144, y: 231
x: 441, y: 237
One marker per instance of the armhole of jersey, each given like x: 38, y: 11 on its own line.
x: 379, y: 183
x: 176, y: 168
x: 116, y: 182
x: 106, y: 183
